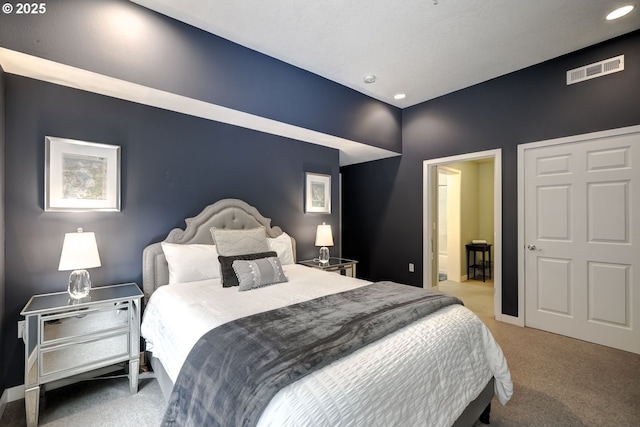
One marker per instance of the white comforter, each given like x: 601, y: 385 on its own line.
x: 424, y: 374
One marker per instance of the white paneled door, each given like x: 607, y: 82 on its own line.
x: 581, y: 236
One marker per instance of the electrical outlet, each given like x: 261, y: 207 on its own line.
x: 20, y: 328
x: 411, y: 267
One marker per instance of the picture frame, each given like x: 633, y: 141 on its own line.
x: 81, y: 176
x: 317, y: 193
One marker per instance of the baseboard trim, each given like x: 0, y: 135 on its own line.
x: 12, y: 394
x: 513, y: 320
x: 17, y: 393
x: 3, y: 402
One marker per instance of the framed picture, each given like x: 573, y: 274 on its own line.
x: 318, y: 193
x: 81, y: 176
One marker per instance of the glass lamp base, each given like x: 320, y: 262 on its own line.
x: 79, y: 284
x: 324, y: 255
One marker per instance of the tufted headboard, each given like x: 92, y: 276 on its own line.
x: 231, y: 214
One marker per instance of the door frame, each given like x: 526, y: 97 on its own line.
x: 521, y: 187
x: 430, y: 193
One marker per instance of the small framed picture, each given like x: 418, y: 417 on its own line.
x: 81, y: 176
x: 317, y: 193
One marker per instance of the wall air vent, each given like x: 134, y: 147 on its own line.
x: 597, y: 69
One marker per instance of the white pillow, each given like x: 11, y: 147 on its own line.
x: 282, y: 246
x: 189, y: 263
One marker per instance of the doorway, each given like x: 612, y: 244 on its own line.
x: 431, y: 169
x: 448, y: 240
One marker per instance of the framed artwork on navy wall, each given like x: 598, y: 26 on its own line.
x: 81, y: 176
x: 317, y: 193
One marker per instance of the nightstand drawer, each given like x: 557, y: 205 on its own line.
x: 70, y: 359
x: 69, y: 326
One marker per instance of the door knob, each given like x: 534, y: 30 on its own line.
x: 533, y: 248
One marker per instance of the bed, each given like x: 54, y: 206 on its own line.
x: 442, y: 369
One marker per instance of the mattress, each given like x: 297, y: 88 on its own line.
x: 426, y: 373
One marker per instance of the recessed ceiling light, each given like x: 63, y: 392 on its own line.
x: 370, y: 78
x: 619, y: 13
x: 400, y: 96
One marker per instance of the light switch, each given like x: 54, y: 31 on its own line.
x: 20, y: 328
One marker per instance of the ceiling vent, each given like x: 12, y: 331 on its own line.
x: 597, y: 69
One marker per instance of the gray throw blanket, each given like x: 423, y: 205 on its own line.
x: 234, y: 370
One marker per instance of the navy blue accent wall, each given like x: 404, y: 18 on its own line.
x: 2, y: 204
x: 382, y: 205
x: 121, y: 39
x: 173, y: 165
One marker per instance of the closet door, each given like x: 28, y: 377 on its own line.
x: 582, y: 227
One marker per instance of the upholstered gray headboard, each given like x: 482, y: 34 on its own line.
x: 231, y: 214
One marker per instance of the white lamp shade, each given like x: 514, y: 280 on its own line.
x: 79, y: 251
x: 324, y: 236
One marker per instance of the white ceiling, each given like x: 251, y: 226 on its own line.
x: 424, y: 48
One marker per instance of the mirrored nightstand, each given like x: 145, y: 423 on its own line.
x: 343, y: 266
x: 65, y: 337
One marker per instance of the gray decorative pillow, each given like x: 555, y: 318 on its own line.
x: 257, y: 273
x: 227, y: 272
x: 239, y: 242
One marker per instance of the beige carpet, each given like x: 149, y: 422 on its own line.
x: 95, y: 403
x: 558, y: 381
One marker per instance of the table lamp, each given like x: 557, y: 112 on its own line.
x: 324, y: 238
x: 79, y: 252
